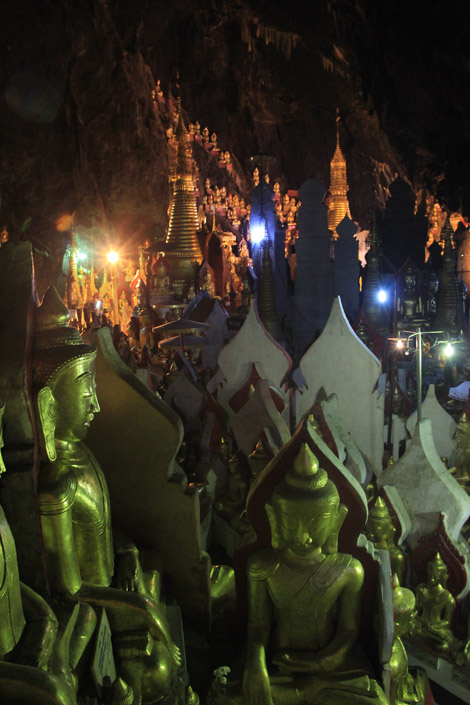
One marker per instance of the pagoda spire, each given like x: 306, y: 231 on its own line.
x: 448, y: 294
x: 183, y: 246
x: 338, y: 206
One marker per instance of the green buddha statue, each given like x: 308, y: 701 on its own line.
x: 381, y: 531
x: 86, y: 560
x: 436, y: 606
x: 305, y: 600
x: 406, y: 686
x: 28, y: 632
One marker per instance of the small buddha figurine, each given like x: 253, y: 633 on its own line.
x: 161, y: 279
x: 381, y: 531
x: 28, y: 631
x: 255, y: 177
x: 227, y: 157
x: 436, y: 606
x: 305, y: 600
x: 406, y: 687
x: 205, y: 135
x: 233, y: 502
x: 258, y: 459
x: 84, y: 556
x: 277, y: 191
x: 214, y: 140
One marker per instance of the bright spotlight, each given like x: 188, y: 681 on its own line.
x: 449, y: 350
x: 81, y: 256
x: 400, y: 344
x: 113, y: 257
x: 257, y: 232
x: 382, y: 296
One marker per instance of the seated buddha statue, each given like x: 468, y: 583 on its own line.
x: 436, y: 606
x: 406, y: 686
x: 86, y: 560
x: 28, y: 633
x: 381, y: 531
x: 304, y: 600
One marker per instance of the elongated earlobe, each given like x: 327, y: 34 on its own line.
x: 45, y: 404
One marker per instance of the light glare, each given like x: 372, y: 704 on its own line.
x: 257, y: 233
x: 113, y: 257
x: 400, y: 344
x: 382, y: 296
x: 449, y: 350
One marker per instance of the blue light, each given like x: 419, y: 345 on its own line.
x: 382, y: 296
x: 257, y: 232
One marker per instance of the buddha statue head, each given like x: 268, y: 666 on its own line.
x: 436, y: 571
x: 404, y: 612
x: 305, y: 514
x: 63, y: 377
x: 379, y: 528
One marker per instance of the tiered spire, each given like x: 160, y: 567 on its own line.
x: 339, y: 205
x: 184, y: 250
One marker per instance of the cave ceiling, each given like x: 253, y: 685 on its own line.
x: 80, y: 134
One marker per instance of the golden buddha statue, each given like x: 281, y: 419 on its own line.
x: 28, y: 632
x: 406, y: 687
x: 75, y: 513
x: 305, y: 600
x: 436, y: 606
x: 258, y: 459
x: 381, y: 531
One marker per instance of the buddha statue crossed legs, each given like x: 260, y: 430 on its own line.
x: 75, y: 512
x: 304, y: 600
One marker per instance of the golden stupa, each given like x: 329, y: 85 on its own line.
x: 184, y: 252
x: 338, y: 206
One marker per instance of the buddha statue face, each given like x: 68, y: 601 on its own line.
x: 302, y: 526
x: 67, y: 405
x: 436, y: 571
x: 304, y: 511
x: 75, y: 401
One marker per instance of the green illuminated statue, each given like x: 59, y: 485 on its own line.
x: 85, y: 561
x: 436, y: 606
x: 28, y: 631
x: 380, y: 530
x: 406, y: 687
x: 305, y: 600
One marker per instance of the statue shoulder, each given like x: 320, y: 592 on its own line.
x: 56, y: 491
x: 262, y: 564
x: 354, y: 567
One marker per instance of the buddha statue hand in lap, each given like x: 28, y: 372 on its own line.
x: 305, y: 600
x: 79, y: 543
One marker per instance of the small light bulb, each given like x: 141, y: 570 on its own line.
x: 399, y: 344
x: 113, y: 257
x: 449, y: 350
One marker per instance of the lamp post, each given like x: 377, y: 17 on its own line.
x: 419, y: 359
x: 113, y: 258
